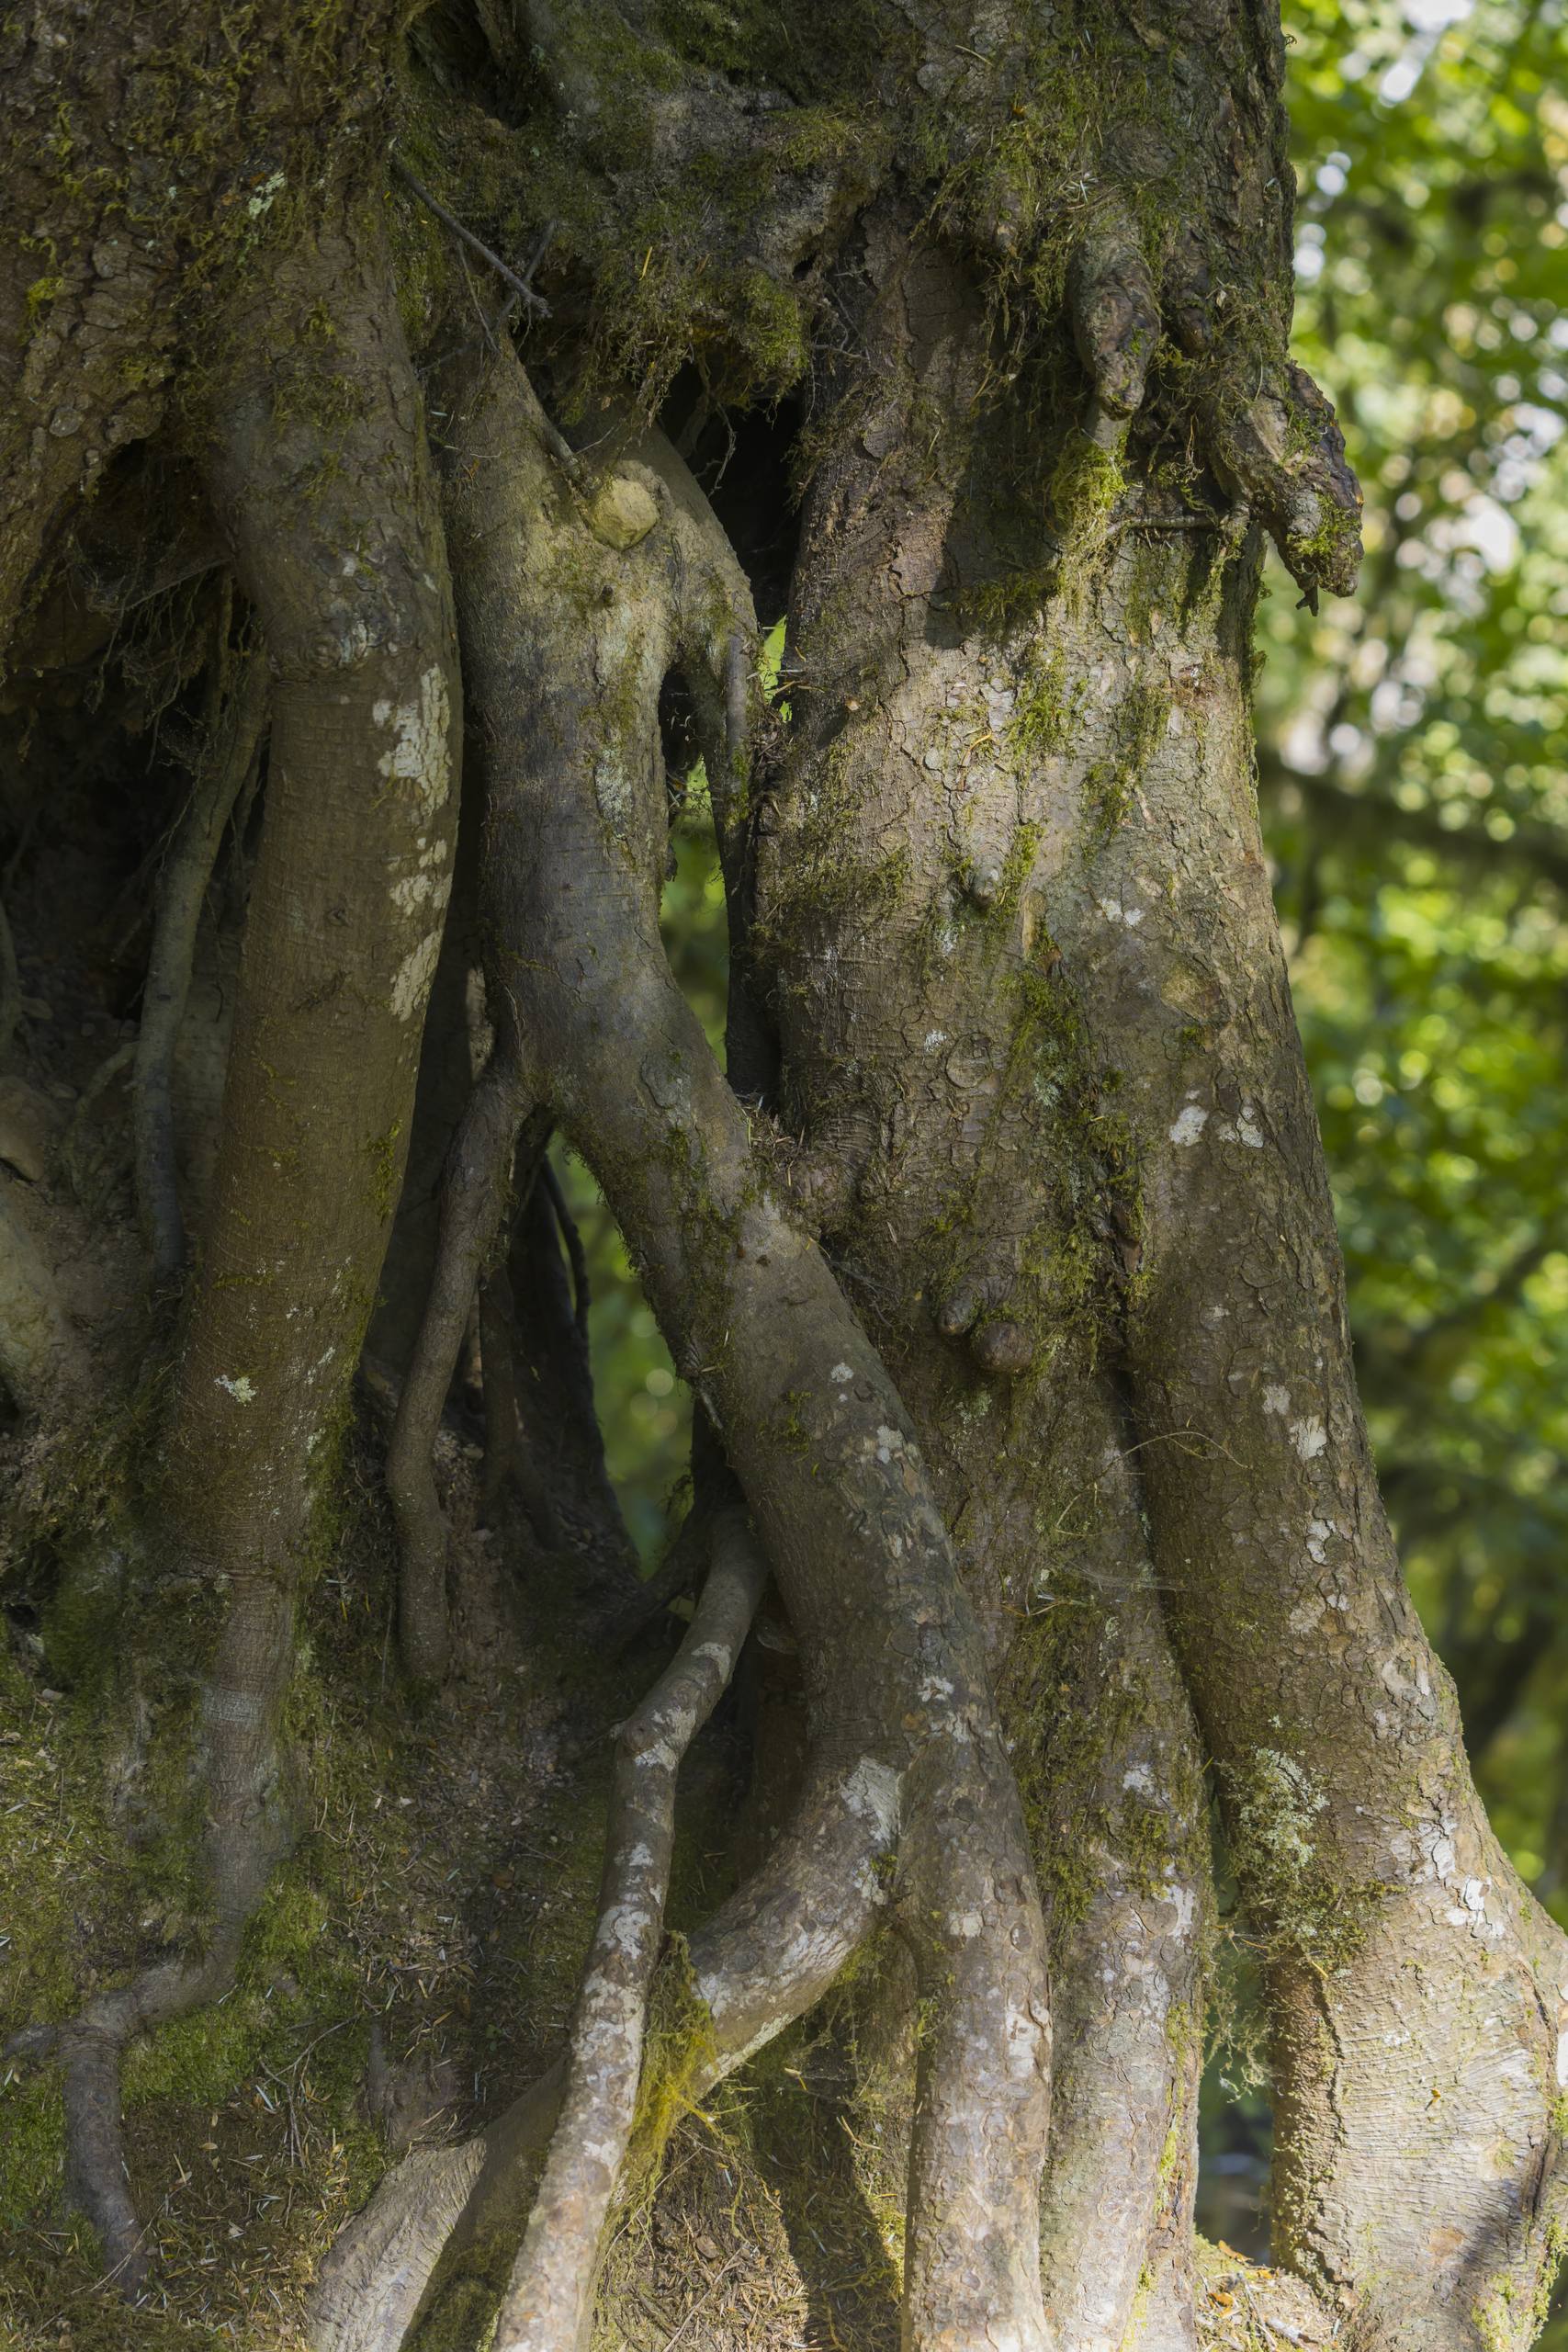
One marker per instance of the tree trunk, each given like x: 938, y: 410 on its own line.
x: 1000, y: 1259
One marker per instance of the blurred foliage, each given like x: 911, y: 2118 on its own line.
x: 1413, y: 760
x: 1414, y: 769
x: 1413, y: 757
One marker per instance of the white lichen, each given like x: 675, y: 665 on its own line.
x: 412, y: 984
x: 420, y: 752
x: 1188, y: 1124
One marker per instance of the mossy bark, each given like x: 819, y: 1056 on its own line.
x: 1012, y: 1293
x: 1016, y: 915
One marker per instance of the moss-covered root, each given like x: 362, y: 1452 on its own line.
x: 548, y: 2297
x: 568, y: 638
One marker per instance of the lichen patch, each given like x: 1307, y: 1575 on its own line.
x: 420, y: 752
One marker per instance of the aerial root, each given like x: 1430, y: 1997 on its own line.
x: 474, y: 1191
x: 237, y: 720
x: 1269, y: 433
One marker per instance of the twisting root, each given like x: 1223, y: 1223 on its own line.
x: 548, y: 2301
x: 473, y: 1202
x: 236, y: 723
x: 321, y: 1078
x: 567, y: 644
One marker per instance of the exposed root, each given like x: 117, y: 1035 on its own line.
x: 236, y: 721
x: 369, y: 2287
x: 548, y: 2300
x: 248, y: 1832
x: 349, y: 589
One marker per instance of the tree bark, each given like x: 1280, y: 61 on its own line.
x: 1000, y: 1261
x: 567, y: 682
x: 1035, y: 1022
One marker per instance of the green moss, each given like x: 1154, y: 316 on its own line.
x: 40, y: 294
x: 1017, y: 867
x: 1071, y: 1698
x: 1086, y: 489
x: 794, y: 1434
x: 319, y: 397
x: 680, y: 2059
x: 32, y: 2161
x: 1111, y: 787
x: 1292, y: 1891
x: 1046, y: 706
x: 1504, y: 2321
x: 385, y: 1170
x: 820, y: 887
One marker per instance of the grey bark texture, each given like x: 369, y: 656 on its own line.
x: 1000, y: 1259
